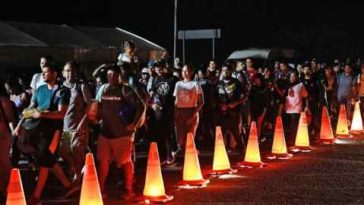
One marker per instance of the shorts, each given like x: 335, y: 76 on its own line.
x: 116, y: 149
x: 45, y: 157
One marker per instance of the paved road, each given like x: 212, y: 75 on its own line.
x: 327, y: 175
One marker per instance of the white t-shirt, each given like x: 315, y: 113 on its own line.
x: 294, y: 98
x: 126, y: 58
x: 37, y: 81
x: 186, y: 94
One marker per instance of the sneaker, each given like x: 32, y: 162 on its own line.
x: 128, y: 195
x: 171, y: 159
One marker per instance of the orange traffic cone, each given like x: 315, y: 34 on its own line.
x: 154, y: 186
x: 342, y: 129
x: 302, y: 143
x: 90, y: 192
x: 326, y: 133
x: 221, y: 163
x: 252, y: 154
x: 279, y: 147
x: 192, y: 175
x: 357, y: 122
x: 15, y: 189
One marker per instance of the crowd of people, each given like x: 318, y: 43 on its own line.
x: 61, y: 115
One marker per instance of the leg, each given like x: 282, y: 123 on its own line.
x: 58, y: 172
x: 293, y: 127
x: 103, y: 156
x: 128, y: 169
x: 42, y: 179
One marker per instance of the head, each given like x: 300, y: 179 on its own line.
x: 307, y: 70
x: 113, y: 74
x: 336, y: 67
x: 201, y: 74
x: 212, y: 65
x: 70, y: 71
x: 159, y: 70
x: 177, y: 73
x: 362, y: 68
x: 145, y: 73
x: 46, y: 61
x: 348, y: 69
x: 276, y: 65
x: 329, y: 70
x: 293, y: 77
x: 268, y: 72
x: 283, y: 66
x: 187, y: 72
x: 99, y: 81
x: 239, y: 65
x: 249, y: 62
x: 49, y: 74
x: 128, y: 46
x: 226, y: 71
x: 12, y: 87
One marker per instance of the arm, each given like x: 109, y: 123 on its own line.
x: 55, y: 115
x: 200, y: 103
x: 134, y: 99
x: 9, y: 113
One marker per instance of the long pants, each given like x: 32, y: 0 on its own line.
x: 163, y: 130
x: 291, y: 126
x: 187, y: 122
x: 231, y: 125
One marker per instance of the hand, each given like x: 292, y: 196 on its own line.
x: 131, y: 127
x: 231, y: 105
x: 36, y: 115
x: 155, y: 107
x: 18, y: 131
x: 224, y: 107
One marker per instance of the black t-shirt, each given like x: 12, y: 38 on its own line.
x: 313, y: 89
x: 229, y: 92
x: 259, y: 99
x: 163, y: 92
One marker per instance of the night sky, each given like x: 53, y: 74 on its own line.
x: 324, y: 30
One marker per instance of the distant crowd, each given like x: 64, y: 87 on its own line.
x: 60, y: 115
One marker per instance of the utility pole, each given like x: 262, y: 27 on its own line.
x: 175, y: 31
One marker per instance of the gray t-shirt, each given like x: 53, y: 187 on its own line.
x: 80, y: 96
x: 345, y: 83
